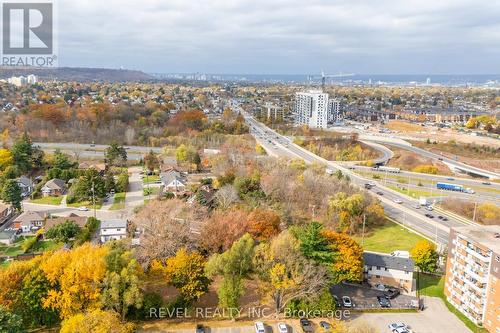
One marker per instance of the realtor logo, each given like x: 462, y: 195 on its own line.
x: 27, y: 28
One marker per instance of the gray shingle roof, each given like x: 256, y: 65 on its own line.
x: 386, y: 260
x: 111, y: 224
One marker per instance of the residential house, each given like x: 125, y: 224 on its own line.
x: 8, y: 237
x: 26, y: 186
x: 113, y: 230
x: 6, y: 212
x: 29, y: 221
x: 173, y: 181
x: 100, y: 167
x: 54, y: 187
x: 56, y: 220
x: 389, y: 269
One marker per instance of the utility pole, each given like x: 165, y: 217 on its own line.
x: 93, y: 198
x: 474, y: 214
x: 363, y: 232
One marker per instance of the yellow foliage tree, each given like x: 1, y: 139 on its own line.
x: 96, y: 321
x: 426, y: 168
x: 6, y: 158
x: 75, y: 277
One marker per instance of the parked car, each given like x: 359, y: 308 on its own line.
x: 391, y: 293
x: 282, y: 328
x: 397, y: 325
x: 200, y: 328
x: 259, y: 327
x: 346, y: 301
x: 384, y: 302
x: 337, y: 302
x: 325, y: 326
x: 306, y: 325
x: 82, y: 209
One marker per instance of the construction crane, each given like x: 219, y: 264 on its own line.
x: 324, y: 76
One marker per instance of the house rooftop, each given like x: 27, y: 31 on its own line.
x: 389, y: 261
x: 30, y: 216
x: 486, y: 235
x: 110, y: 224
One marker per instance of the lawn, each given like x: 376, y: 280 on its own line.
x: 433, y: 286
x: 87, y: 204
x: 388, y: 238
x: 151, y: 190
x: 48, y: 200
x: 46, y: 245
x: 150, y: 179
x: 13, y: 249
x: 119, y: 201
x: 414, y: 193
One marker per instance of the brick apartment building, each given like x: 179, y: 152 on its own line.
x: 472, y: 281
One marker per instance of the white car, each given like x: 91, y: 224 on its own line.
x: 346, y: 301
x: 398, y: 201
x: 282, y: 328
x: 259, y: 327
x: 83, y: 209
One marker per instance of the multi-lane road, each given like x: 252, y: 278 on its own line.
x: 397, y: 206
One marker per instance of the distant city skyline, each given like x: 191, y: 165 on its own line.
x: 282, y: 37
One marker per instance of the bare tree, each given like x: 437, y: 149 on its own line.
x: 165, y: 226
x: 226, y: 196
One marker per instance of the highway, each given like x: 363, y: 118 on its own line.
x: 485, y: 191
x: 452, y: 164
x: 397, y: 206
x: 94, y: 151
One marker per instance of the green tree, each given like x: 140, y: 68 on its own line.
x: 9, y: 322
x: 151, y: 161
x: 233, y: 265
x: 11, y: 193
x: 90, y: 184
x: 109, y: 182
x: 121, y: 289
x: 313, y: 244
x: 63, y: 232
x: 62, y: 161
x: 115, y: 155
x: 22, y: 151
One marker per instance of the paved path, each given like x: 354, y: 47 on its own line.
x: 134, y: 196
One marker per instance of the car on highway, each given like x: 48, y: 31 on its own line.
x: 259, y: 327
x: 384, y: 302
x: 450, y: 178
x: 398, y: 201
x: 429, y: 208
x: 429, y: 215
x: 486, y: 183
x: 346, y: 301
x: 417, y: 206
x: 282, y: 328
x: 380, y: 193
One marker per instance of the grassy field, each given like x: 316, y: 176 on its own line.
x: 151, y: 190
x: 119, y: 201
x: 389, y: 238
x: 414, y: 193
x: 433, y: 286
x: 151, y: 179
x: 403, y: 126
x: 46, y: 245
x: 88, y: 204
x: 48, y: 200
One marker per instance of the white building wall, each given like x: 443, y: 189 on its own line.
x: 311, y: 108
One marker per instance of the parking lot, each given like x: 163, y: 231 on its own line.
x: 366, y: 298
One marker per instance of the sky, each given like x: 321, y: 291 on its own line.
x: 282, y: 36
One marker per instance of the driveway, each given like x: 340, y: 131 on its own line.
x: 366, y: 298
x: 134, y: 195
x: 434, y: 319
